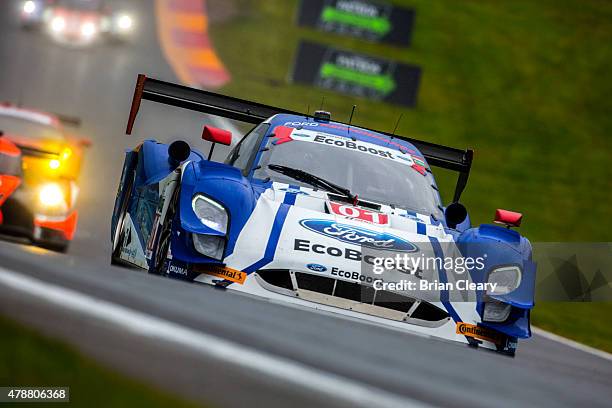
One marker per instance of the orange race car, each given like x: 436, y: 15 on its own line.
x: 42, y: 205
x: 10, y: 170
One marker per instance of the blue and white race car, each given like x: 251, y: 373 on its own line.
x: 325, y: 215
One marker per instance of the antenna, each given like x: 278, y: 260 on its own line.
x: 308, y: 111
x: 397, y: 124
x: 352, y: 113
x: 322, y: 102
x: 348, y: 129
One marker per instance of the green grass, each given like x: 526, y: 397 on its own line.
x: 568, y: 318
x: 525, y: 83
x: 27, y: 359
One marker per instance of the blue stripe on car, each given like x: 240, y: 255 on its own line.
x: 277, y: 226
x: 444, y: 279
x: 291, y: 194
x: 421, y: 228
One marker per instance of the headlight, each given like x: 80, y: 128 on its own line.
x: 29, y: 7
x: 66, y: 153
x: 210, y: 213
x: 124, y: 22
x: 210, y: 245
x: 88, y: 29
x: 496, y: 311
x: 54, y: 164
x: 508, y: 278
x: 51, y: 195
x: 58, y: 24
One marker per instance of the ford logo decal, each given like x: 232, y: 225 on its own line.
x: 316, y: 267
x: 351, y: 234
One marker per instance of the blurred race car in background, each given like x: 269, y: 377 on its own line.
x: 42, y: 206
x: 10, y: 170
x: 297, y: 209
x: 76, y: 22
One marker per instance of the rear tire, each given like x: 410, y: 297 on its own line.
x: 118, y: 236
x: 60, y: 247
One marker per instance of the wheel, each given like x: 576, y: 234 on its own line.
x: 118, y: 236
x: 60, y: 247
x: 165, y: 235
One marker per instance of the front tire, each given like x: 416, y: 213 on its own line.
x: 165, y: 236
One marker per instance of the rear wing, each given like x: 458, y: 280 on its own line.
x: 251, y: 112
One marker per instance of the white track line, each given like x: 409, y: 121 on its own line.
x: 571, y: 343
x: 283, y: 370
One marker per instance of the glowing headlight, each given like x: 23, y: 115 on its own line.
x: 54, y: 164
x: 508, y: 278
x: 210, y: 245
x: 210, y: 213
x: 88, y: 29
x: 58, y: 24
x: 125, y: 22
x: 51, y: 195
x: 29, y: 7
x: 66, y: 153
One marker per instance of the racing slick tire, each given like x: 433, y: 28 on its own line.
x: 165, y: 235
x: 118, y: 235
x: 60, y: 247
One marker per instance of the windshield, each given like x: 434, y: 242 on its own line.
x: 373, y: 172
x: 27, y: 128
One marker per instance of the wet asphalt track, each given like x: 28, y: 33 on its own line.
x: 96, y: 84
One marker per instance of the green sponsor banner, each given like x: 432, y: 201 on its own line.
x: 382, y: 83
x: 378, y: 25
x: 356, y: 74
x: 373, y: 20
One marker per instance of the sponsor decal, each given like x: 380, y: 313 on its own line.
x: 373, y: 20
x: 356, y: 74
x: 304, y: 245
x: 351, y: 234
x: 422, y: 170
x: 311, y: 124
x: 411, y: 217
x: 283, y: 134
x: 177, y: 270
x: 316, y: 267
x: 224, y: 272
x: 356, y: 213
x: 479, y: 332
x: 419, y: 161
x: 353, y: 276
x: 293, y: 191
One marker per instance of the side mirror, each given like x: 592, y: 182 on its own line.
x: 508, y: 218
x: 216, y: 135
x: 455, y: 214
x: 178, y: 152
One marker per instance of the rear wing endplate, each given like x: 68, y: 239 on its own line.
x: 251, y: 112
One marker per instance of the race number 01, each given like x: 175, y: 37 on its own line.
x: 359, y: 213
